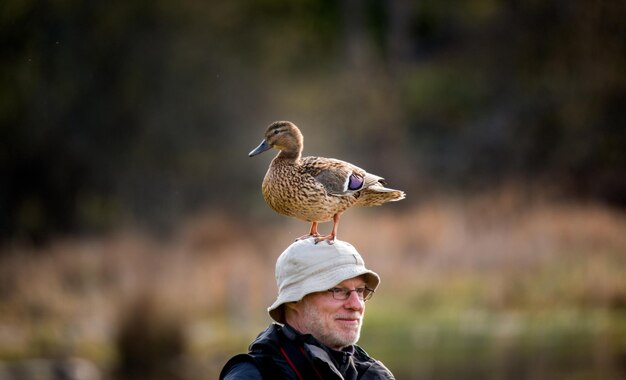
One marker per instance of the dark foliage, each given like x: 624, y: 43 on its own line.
x: 144, y: 111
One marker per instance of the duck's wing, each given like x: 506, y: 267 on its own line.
x: 338, y: 177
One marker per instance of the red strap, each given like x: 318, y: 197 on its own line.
x: 282, y: 350
x: 314, y: 369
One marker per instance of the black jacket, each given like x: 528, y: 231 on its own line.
x: 280, y: 352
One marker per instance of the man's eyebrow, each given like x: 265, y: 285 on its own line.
x: 361, y: 285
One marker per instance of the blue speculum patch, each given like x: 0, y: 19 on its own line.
x: 355, y: 182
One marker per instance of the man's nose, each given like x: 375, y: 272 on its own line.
x: 354, y: 302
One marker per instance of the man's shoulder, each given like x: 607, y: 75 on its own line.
x: 254, y: 365
x: 370, y: 365
x: 241, y: 367
x: 268, y: 337
x: 262, y: 360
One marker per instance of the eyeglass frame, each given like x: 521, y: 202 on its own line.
x: 347, y: 292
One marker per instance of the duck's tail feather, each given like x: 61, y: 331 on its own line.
x: 377, y: 195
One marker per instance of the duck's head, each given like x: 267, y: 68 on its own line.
x: 284, y: 136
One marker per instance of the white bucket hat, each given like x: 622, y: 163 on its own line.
x: 305, y: 268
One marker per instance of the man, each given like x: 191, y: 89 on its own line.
x: 322, y: 289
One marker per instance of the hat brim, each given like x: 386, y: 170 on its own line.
x: 327, y: 281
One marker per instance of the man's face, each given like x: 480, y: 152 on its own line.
x: 335, y: 323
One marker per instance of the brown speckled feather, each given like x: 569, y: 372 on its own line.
x: 315, y: 189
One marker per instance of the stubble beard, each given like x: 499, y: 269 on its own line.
x: 332, y: 337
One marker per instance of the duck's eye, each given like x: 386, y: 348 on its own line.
x: 276, y: 132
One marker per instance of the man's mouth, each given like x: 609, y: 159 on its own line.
x: 349, y: 319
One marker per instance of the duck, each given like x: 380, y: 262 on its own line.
x: 315, y: 189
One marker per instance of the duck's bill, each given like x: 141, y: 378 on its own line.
x: 260, y: 149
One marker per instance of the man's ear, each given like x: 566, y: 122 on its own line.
x: 292, y: 307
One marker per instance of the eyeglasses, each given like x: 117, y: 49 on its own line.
x: 343, y: 294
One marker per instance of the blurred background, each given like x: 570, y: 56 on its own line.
x: 134, y: 240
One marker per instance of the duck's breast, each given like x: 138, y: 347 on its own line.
x: 292, y: 190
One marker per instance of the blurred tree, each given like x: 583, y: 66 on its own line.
x: 150, y: 342
x: 508, y: 90
x: 144, y: 111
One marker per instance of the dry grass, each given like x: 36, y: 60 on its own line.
x: 496, y: 254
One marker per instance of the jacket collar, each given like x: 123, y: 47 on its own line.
x: 319, y: 353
